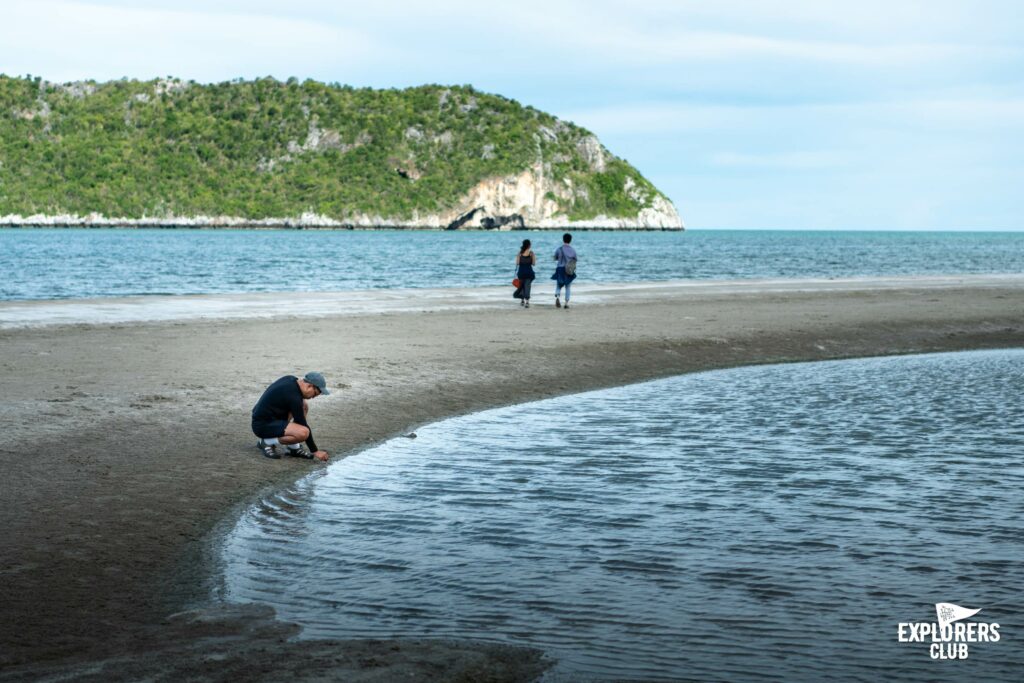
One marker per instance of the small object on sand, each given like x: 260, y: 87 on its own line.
x: 411, y: 435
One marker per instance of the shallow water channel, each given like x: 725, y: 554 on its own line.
x: 760, y: 523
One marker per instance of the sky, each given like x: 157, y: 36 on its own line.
x: 806, y: 114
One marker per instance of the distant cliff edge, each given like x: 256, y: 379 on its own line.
x: 267, y: 153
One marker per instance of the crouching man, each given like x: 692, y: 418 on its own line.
x: 279, y: 417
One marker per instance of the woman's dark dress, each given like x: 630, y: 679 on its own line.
x: 526, y: 276
x: 525, y: 270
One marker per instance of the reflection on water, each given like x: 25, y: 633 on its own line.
x: 762, y: 523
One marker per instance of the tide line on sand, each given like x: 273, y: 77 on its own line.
x: 263, y: 305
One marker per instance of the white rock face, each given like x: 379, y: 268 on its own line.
x: 169, y: 85
x: 317, y: 140
x: 592, y: 151
x: 528, y: 195
x: 662, y: 214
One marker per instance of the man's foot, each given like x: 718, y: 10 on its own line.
x: 526, y: 304
x: 566, y: 305
x: 268, y: 449
x: 558, y: 304
x: 299, y: 452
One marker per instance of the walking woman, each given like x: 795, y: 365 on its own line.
x: 525, y: 261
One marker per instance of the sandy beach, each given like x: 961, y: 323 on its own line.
x: 128, y: 448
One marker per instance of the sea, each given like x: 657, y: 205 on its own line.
x: 767, y: 523
x: 98, y: 262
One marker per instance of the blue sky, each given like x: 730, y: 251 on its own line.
x: 787, y: 114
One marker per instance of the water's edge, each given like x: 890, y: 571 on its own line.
x: 155, y: 308
x: 226, y: 223
x: 212, y: 553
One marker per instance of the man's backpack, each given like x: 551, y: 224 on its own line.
x: 570, y: 267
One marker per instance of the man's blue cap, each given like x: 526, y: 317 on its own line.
x: 318, y: 381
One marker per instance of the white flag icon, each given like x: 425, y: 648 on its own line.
x: 948, y: 613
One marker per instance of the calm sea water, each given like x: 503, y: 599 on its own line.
x: 59, y: 263
x: 762, y: 523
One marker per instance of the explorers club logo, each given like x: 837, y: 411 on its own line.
x: 949, y: 636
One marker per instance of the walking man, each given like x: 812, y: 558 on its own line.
x: 565, y: 269
x: 279, y: 417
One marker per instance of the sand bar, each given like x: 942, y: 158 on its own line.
x: 128, y: 445
x: 266, y: 305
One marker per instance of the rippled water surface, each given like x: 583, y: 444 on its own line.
x: 761, y: 523
x: 76, y: 263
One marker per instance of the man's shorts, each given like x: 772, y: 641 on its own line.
x: 274, y: 429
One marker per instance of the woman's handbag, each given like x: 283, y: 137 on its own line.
x: 517, y: 283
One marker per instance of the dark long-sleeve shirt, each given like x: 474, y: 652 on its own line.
x: 281, y: 398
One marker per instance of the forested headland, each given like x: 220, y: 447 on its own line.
x: 267, y: 148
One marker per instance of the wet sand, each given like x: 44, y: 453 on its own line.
x: 127, y: 442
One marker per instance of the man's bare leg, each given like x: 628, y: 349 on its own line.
x: 294, y: 434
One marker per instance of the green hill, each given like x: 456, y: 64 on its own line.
x: 269, y: 149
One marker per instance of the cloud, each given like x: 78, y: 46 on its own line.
x: 71, y: 40
x: 689, y: 33
x: 661, y: 118
x: 535, y: 39
x: 800, y: 160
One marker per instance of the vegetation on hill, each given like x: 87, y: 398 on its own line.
x: 266, y: 148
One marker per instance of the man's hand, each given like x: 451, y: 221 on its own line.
x: 321, y: 456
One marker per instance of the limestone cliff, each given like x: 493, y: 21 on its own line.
x: 535, y: 199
